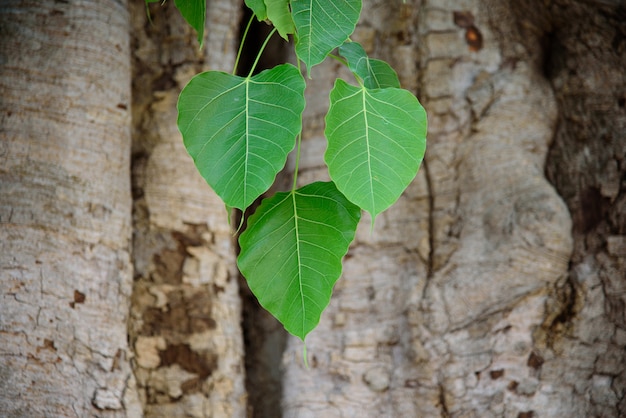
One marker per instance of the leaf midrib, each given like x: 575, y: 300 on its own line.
x: 298, y: 256
x: 367, y: 145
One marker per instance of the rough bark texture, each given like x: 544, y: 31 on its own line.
x: 186, y: 312
x: 461, y: 302
x: 584, y: 335
x: 65, y: 225
x: 482, y: 292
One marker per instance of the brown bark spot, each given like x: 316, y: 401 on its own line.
x: 184, y: 314
x: 527, y: 414
x: 496, y: 374
x: 535, y: 360
x: 199, y: 363
x: 169, y: 266
x: 79, y: 297
x: 512, y: 386
x: 169, y: 261
x: 463, y: 19
x: 473, y: 37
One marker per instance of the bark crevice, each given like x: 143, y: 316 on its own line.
x: 586, y: 166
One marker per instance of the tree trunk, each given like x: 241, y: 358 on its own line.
x: 65, y: 225
x: 463, y: 302
x: 186, y: 312
x: 494, y: 287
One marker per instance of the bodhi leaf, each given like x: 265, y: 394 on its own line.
x: 291, y: 252
x: 258, y: 8
x: 279, y: 14
x: 321, y: 26
x: 376, y: 74
x: 376, y: 142
x: 239, y: 130
x: 194, y: 12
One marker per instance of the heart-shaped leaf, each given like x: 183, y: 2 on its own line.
x: 376, y: 143
x: 239, y: 130
x: 258, y: 8
x: 194, y: 12
x: 376, y: 74
x: 291, y: 252
x: 321, y: 26
x: 279, y: 14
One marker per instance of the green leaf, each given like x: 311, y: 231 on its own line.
x: 258, y: 8
x: 376, y: 142
x: 376, y: 74
x: 292, y: 249
x: 321, y: 26
x: 194, y: 12
x: 239, y: 130
x: 279, y: 14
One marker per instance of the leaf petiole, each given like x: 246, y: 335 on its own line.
x: 243, y: 40
x: 256, y: 60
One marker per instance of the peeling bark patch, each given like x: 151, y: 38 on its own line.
x: 169, y: 266
x: 47, y: 345
x: 535, y: 361
x: 184, y: 314
x: 191, y: 361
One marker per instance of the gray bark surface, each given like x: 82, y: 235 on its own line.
x: 463, y: 302
x: 186, y: 312
x: 65, y: 207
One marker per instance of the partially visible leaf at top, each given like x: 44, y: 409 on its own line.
x: 239, y: 130
x: 376, y: 143
x: 194, y: 12
x: 291, y: 252
x: 376, y: 74
x: 279, y: 14
x: 258, y: 8
x: 321, y: 26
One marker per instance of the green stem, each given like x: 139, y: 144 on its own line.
x: 298, y: 145
x: 344, y: 62
x: 261, y: 52
x: 243, y: 40
x: 295, y: 171
x: 338, y: 58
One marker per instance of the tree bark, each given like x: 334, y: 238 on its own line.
x: 186, y: 313
x: 65, y: 210
x: 494, y: 287
x: 462, y: 302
